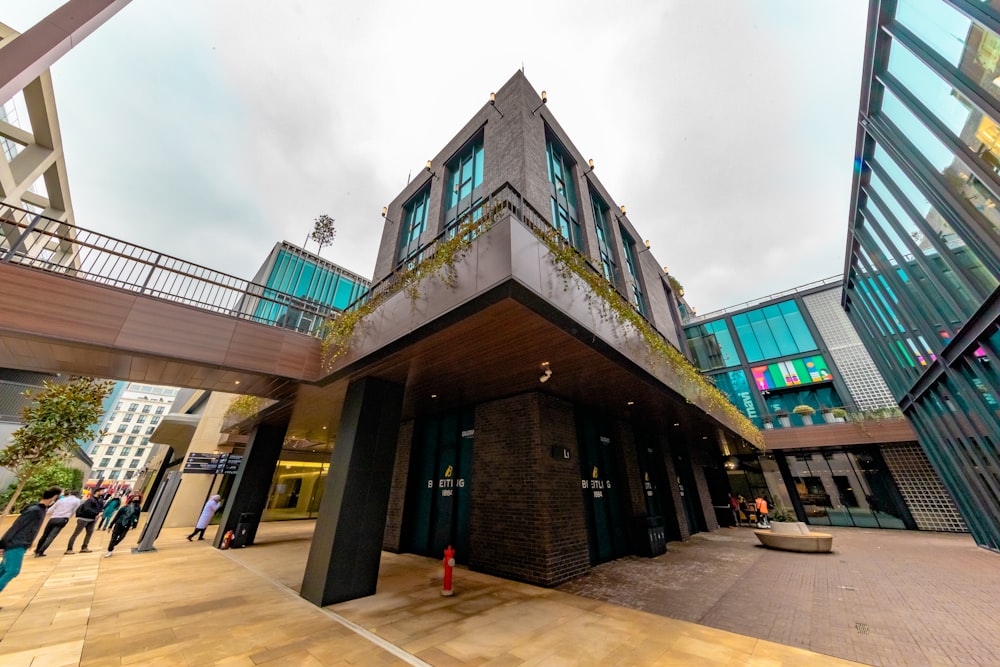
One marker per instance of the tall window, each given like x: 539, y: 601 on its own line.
x: 631, y: 261
x: 414, y: 223
x: 464, y: 185
x: 712, y: 345
x: 605, y: 244
x: 773, y: 331
x: 564, y: 213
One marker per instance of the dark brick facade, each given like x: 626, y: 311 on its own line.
x: 526, y: 515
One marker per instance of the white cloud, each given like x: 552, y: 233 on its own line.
x: 210, y: 130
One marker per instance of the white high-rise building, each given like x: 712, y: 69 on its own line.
x: 124, y: 448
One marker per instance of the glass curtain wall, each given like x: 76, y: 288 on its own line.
x: 296, y: 489
x: 301, y: 277
x: 847, y: 487
x: 924, y: 268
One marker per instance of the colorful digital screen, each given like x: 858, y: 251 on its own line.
x: 790, y: 373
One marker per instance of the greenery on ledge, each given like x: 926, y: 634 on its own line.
x: 439, y: 261
x: 572, y: 266
x: 600, y: 293
x: 244, y: 406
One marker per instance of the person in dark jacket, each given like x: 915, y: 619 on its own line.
x: 86, y: 519
x: 22, y: 533
x: 127, y: 518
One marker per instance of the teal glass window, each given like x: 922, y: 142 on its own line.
x: 297, y: 280
x: 464, y: 184
x: 777, y: 330
x: 712, y: 345
x: 735, y: 386
x: 631, y: 262
x: 414, y: 223
x: 605, y: 243
x: 565, y: 217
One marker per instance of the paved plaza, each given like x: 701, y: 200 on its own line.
x: 882, y: 597
x: 925, y: 599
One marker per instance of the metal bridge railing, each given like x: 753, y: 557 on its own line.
x: 33, y: 240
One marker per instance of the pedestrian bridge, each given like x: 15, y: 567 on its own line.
x: 79, y: 302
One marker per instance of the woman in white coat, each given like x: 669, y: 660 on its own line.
x: 211, y: 507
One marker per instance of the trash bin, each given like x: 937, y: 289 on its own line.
x: 652, y: 536
x: 242, y: 532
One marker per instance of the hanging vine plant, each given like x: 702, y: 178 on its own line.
x: 439, y: 262
x: 571, y: 266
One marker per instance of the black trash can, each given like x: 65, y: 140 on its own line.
x: 242, y: 531
x: 651, y: 535
x: 657, y: 535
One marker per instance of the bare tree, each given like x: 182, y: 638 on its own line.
x: 323, y: 231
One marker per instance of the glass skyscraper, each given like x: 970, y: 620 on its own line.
x: 923, y: 264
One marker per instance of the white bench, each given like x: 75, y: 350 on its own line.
x: 794, y: 536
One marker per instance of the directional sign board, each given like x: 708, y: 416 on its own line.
x: 202, y: 463
x: 231, y: 465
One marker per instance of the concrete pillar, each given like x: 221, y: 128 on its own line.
x: 347, y: 544
x: 251, y: 486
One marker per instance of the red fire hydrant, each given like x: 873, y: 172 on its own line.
x: 449, y: 564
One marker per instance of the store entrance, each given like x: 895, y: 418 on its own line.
x: 603, y: 492
x: 437, y: 499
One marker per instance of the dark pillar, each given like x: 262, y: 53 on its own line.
x: 252, y: 483
x: 347, y: 545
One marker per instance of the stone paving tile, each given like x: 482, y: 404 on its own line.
x: 925, y: 598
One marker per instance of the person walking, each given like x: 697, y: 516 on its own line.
x: 207, y: 512
x: 21, y: 534
x: 109, y: 513
x: 763, y: 520
x: 127, y: 518
x: 734, y: 506
x: 59, y: 515
x: 86, y: 517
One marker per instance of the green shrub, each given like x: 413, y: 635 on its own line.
x: 54, y: 474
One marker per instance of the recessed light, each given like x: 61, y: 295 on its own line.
x: 630, y: 403
x: 676, y: 424
x: 704, y: 437
x: 434, y: 395
x: 324, y: 428
x: 237, y: 382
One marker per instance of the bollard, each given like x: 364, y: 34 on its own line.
x: 449, y: 564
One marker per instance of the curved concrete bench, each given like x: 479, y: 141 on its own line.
x: 795, y: 537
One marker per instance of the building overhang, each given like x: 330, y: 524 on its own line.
x: 491, y: 330
x: 175, y: 430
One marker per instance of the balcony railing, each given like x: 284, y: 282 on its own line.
x: 33, y: 240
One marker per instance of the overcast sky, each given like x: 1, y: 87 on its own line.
x: 210, y: 129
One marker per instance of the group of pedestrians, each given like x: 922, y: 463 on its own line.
x: 19, y: 537
x: 87, y: 513
x: 759, y: 508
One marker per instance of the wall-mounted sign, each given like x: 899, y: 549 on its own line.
x: 791, y: 373
x: 447, y: 483
x: 560, y: 453
x: 596, y: 484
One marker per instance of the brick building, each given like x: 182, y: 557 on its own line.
x: 502, y: 404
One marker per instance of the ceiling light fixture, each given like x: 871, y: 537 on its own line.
x: 546, y: 372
